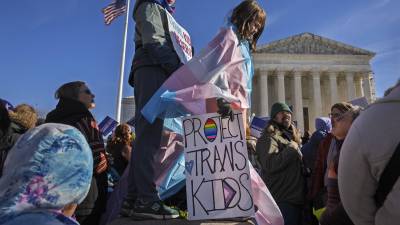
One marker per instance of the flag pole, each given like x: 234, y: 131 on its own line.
x: 122, y: 69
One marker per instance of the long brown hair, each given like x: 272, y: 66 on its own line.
x: 243, y: 15
x: 25, y: 115
x: 119, y: 143
x: 122, y: 135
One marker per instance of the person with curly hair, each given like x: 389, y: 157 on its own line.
x: 119, y: 146
x: 17, y: 122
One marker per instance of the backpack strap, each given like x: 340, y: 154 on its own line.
x: 389, y: 177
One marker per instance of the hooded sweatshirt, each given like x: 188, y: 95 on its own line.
x: 323, y: 127
x: 368, y: 147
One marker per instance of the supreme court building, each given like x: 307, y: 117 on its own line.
x: 310, y: 73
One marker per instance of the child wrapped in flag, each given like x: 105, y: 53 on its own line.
x: 222, y: 70
x: 217, y: 79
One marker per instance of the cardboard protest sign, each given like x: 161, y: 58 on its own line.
x: 180, y: 39
x: 107, y: 125
x: 216, y: 167
x: 257, y: 126
x: 131, y: 122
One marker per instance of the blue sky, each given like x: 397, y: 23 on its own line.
x: 45, y: 43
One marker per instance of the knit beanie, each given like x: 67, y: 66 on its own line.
x: 279, y: 107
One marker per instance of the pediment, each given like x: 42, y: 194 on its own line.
x: 308, y: 43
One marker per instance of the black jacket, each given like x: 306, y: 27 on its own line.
x: 7, y: 140
x: 74, y: 113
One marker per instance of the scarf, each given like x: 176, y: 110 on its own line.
x: 68, y: 111
x: 166, y: 5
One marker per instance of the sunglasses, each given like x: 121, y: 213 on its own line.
x: 337, y: 116
x: 87, y: 91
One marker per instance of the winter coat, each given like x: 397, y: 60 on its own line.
x: 74, y: 113
x: 368, y: 147
x: 281, y: 164
x: 8, y: 139
x: 310, y: 149
x: 317, y: 192
x: 334, y: 212
x: 153, y: 44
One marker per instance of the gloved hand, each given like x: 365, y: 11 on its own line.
x: 224, y: 108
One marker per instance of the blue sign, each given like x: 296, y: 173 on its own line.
x: 107, y: 125
x: 131, y: 122
x: 257, y: 126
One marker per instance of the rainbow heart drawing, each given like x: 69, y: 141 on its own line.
x: 210, y: 130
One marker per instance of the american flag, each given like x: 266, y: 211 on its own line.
x: 113, y: 10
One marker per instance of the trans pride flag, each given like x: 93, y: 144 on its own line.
x: 223, y: 69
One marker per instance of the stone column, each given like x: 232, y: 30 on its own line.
x: 280, y: 85
x: 298, y: 101
x: 350, y: 86
x: 367, y: 87
x: 317, y: 93
x: 359, y: 87
x: 333, y: 87
x: 263, y: 93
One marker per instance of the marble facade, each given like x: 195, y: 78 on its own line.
x: 310, y: 73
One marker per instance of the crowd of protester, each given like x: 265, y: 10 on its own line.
x: 323, y: 179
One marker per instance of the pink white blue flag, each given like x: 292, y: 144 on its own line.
x: 223, y: 69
